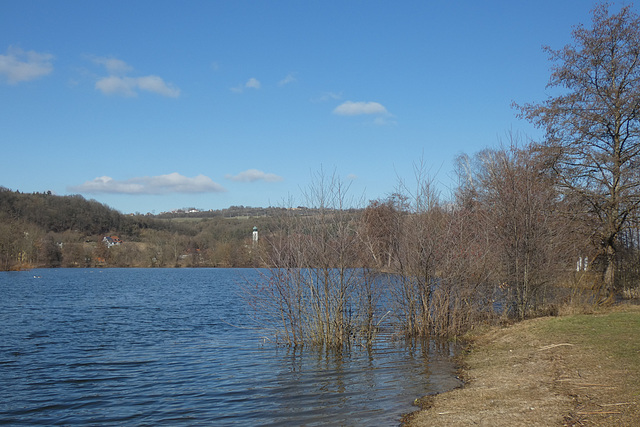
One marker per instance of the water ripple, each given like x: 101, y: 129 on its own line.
x: 149, y: 347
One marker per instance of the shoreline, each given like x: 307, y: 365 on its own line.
x: 545, y: 371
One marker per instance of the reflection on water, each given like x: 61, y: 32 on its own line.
x: 376, y: 384
x: 158, y: 347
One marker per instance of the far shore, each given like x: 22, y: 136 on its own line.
x: 573, y: 370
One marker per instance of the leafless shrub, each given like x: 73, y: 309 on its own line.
x: 317, y: 288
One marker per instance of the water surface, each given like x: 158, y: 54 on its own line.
x: 163, y: 347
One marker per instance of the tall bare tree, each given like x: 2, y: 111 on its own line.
x: 593, y: 125
x: 519, y: 204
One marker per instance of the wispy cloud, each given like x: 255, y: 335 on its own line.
x: 114, y: 85
x: 21, y: 66
x: 162, y: 184
x: 118, y: 83
x: 129, y: 86
x: 328, y: 96
x: 387, y: 120
x: 350, y: 108
x: 113, y: 65
x: 157, y: 85
x: 290, y: 78
x: 253, y: 175
x: 252, y: 83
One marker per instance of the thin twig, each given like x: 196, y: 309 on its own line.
x: 618, y: 404
x: 594, y: 385
x: 385, y: 315
x: 547, y: 347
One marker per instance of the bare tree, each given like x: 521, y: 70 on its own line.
x: 318, y: 291
x: 379, y: 231
x: 593, y: 126
x: 519, y: 206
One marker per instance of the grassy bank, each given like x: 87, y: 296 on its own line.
x: 570, y: 370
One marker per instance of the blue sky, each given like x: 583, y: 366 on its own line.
x: 150, y: 106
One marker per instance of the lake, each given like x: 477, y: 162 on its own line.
x: 168, y: 347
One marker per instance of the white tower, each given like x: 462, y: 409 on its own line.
x: 255, y: 235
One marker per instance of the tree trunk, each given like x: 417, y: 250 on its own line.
x: 610, y: 273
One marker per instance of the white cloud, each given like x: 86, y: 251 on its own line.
x: 252, y: 83
x: 114, y: 85
x: 20, y: 66
x: 162, y: 184
x: 113, y: 65
x: 118, y: 83
x: 157, y: 85
x: 128, y: 86
x: 350, y: 108
x: 252, y: 175
x: 352, y: 177
x: 385, y: 121
x: 290, y: 78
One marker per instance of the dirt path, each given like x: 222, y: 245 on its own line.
x: 538, y: 373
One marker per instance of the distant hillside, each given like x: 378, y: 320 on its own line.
x: 45, y: 230
x: 59, y: 213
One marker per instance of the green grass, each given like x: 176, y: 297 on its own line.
x: 609, y: 345
x: 616, y: 333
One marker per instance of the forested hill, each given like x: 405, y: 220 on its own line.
x: 45, y: 230
x: 60, y: 213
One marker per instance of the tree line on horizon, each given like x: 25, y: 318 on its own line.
x: 45, y: 230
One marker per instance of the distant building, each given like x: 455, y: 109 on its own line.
x: 111, y: 241
x: 255, y: 235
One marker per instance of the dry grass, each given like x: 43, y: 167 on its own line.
x: 572, y: 370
